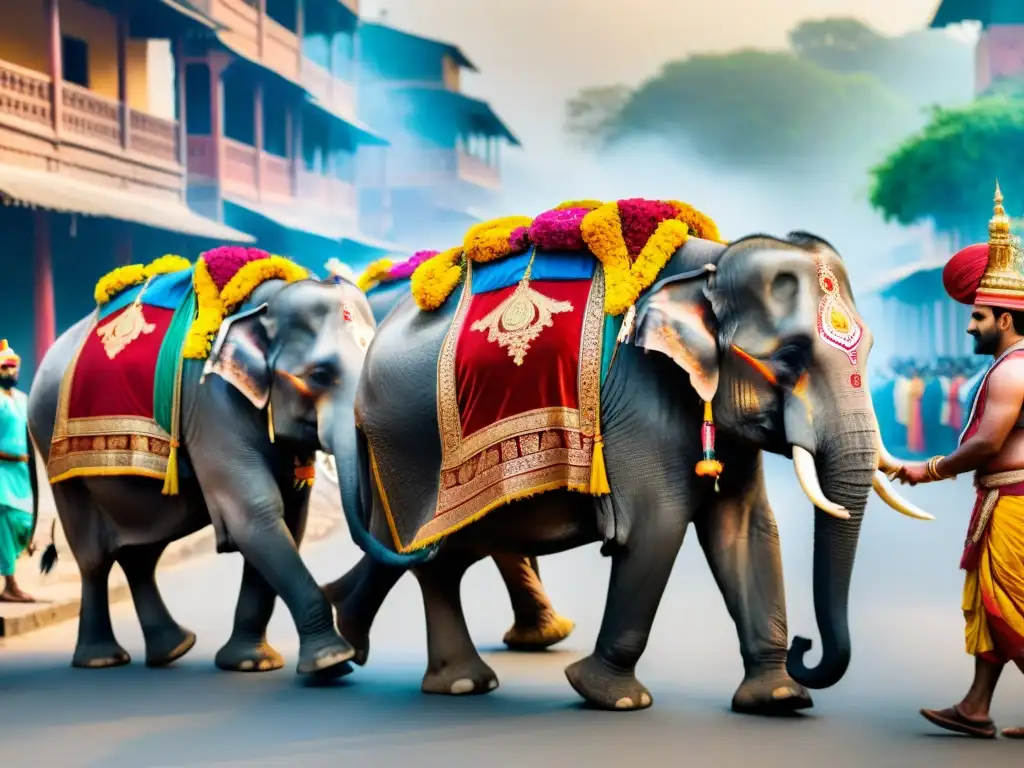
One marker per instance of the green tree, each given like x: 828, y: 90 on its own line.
x: 591, y: 113
x: 926, y: 66
x: 757, y: 109
x: 946, y: 172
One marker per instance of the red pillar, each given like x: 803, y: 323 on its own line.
x: 179, y: 79
x: 45, y: 312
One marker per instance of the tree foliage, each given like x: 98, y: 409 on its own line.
x: 591, y: 113
x: 762, y: 109
x: 946, y: 172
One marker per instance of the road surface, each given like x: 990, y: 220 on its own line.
x: 908, y: 653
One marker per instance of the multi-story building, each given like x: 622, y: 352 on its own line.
x: 441, y: 169
x: 91, y: 154
x: 1000, y: 51
x: 272, y: 127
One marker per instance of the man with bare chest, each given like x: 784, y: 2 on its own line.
x: 991, y: 278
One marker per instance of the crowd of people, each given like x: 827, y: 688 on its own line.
x: 922, y: 407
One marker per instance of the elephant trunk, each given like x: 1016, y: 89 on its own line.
x: 340, y: 437
x: 845, y: 459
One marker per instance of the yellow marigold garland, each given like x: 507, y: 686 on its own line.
x: 700, y: 225
x: 491, y: 240
x: 214, y: 305
x: 373, y: 273
x: 626, y: 280
x: 123, y: 278
x: 588, y: 204
x: 435, y: 279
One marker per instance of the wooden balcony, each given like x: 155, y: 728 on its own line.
x: 262, y: 177
x: 269, y: 43
x: 90, y: 132
x: 338, y: 95
x: 417, y: 168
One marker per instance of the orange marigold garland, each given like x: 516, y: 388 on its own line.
x: 496, y: 239
x: 121, y: 279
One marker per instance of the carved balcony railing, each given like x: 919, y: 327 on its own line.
x: 329, y: 194
x: 86, y: 117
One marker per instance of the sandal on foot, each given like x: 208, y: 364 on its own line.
x: 953, y: 719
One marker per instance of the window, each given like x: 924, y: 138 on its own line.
x: 75, y: 56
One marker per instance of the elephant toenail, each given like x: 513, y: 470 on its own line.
x: 264, y: 665
x: 645, y: 699
x: 463, y: 685
x: 247, y: 665
x: 624, y: 703
x: 492, y: 685
x: 783, y: 693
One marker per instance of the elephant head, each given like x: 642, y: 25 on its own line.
x: 297, y: 353
x: 772, y: 336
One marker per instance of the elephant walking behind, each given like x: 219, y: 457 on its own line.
x: 289, y: 357
x: 761, y: 329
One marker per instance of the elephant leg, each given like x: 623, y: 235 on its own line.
x: 453, y: 665
x: 247, y: 650
x: 249, y: 502
x: 166, y: 640
x: 357, y: 597
x: 640, y: 570
x: 88, y: 536
x: 537, y: 626
x: 741, y: 542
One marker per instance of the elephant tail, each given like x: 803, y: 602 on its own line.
x: 356, y: 487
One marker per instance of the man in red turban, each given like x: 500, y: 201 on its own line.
x: 989, y: 277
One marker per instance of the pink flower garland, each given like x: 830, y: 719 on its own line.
x: 559, y: 230
x: 404, y: 269
x: 225, y: 261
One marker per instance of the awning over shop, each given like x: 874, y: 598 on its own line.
x: 363, y: 132
x: 478, y: 114
x: 327, y: 227
x: 920, y: 280
x: 52, y: 191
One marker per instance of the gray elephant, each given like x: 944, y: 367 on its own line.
x: 537, y: 625
x: 766, y: 330
x: 289, y: 356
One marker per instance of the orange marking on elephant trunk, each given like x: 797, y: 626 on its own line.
x: 300, y: 386
x: 756, y: 364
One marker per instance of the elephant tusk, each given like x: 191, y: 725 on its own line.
x: 888, y: 494
x: 807, y: 474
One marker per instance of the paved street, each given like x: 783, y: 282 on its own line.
x: 908, y: 652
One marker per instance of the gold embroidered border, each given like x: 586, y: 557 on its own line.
x: 589, y: 377
x: 124, y: 454
x: 90, y: 426
x: 513, y: 426
x: 448, y: 399
x: 500, y: 483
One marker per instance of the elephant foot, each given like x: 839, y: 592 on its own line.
x: 473, y: 677
x: 549, y: 632
x: 357, y: 634
x: 169, y: 646
x: 325, y: 659
x: 100, y: 656
x: 605, y: 688
x: 248, y: 656
x: 771, y: 693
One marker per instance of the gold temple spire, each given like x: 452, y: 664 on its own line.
x: 1003, y: 282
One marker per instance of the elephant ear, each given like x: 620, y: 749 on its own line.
x: 239, y: 355
x: 677, y: 321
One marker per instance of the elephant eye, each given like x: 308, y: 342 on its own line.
x: 784, y: 287
x: 322, y: 376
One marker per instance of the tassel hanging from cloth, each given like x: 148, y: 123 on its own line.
x: 708, y: 466
x: 598, y: 474
x: 171, y: 478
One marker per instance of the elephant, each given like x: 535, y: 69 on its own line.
x: 301, y: 344
x: 733, y: 325
x: 537, y: 625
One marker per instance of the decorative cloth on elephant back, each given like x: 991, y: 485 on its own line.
x: 106, y: 416
x: 119, y: 405
x: 519, y: 372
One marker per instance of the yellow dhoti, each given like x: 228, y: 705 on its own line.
x: 993, y: 599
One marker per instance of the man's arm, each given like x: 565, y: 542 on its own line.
x: 1003, y: 404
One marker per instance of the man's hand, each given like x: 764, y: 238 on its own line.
x: 913, y: 474
x: 30, y: 549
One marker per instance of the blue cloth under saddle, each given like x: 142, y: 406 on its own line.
x: 548, y: 265
x: 164, y: 291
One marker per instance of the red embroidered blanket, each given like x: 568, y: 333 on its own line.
x: 105, y: 421
x: 518, y: 392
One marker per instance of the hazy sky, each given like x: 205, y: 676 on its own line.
x: 533, y: 54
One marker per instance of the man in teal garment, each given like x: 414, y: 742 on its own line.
x: 17, y: 487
